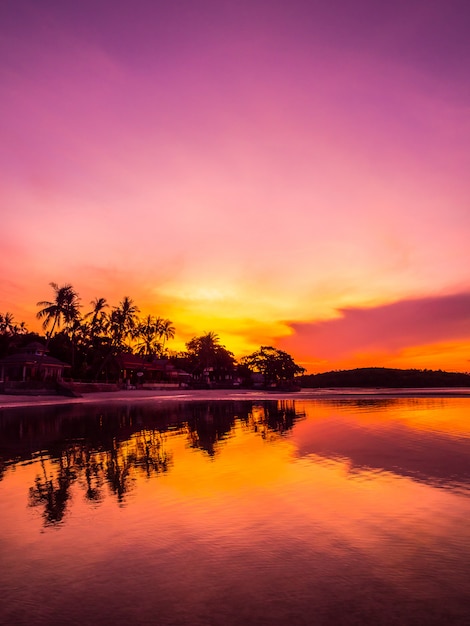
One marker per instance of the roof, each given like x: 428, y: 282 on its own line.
x: 130, y: 361
x: 126, y: 360
x: 24, y: 358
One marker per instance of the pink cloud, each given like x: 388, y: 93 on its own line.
x: 383, y: 329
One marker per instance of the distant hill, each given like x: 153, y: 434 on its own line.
x: 385, y: 377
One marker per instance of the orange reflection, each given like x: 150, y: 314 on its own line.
x: 348, y: 468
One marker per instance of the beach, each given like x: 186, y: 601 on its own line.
x: 181, y: 395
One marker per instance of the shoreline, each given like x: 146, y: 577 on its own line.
x: 185, y: 395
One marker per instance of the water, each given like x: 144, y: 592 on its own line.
x: 341, y: 511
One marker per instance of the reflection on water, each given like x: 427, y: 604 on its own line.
x: 440, y: 459
x: 350, y: 511
x: 77, y: 461
x: 115, y: 447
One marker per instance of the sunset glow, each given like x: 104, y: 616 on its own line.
x: 289, y: 174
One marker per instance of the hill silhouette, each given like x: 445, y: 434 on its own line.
x: 385, y: 377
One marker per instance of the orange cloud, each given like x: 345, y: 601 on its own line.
x: 407, y: 331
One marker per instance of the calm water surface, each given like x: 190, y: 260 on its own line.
x: 346, y: 511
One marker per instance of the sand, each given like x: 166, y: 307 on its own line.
x: 138, y: 395
x: 182, y: 395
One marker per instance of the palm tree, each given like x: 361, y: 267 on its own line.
x: 7, y: 324
x: 148, y: 331
x: 120, y: 325
x: 10, y: 332
x: 208, y: 347
x: 20, y: 329
x: 64, y: 309
x: 166, y: 330
x: 123, y: 321
x: 98, y: 316
x: 206, y: 353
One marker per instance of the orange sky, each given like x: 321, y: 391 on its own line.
x: 286, y: 174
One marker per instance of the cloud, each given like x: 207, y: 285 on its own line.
x: 383, y: 329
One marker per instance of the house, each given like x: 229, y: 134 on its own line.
x: 31, y: 363
x: 148, y: 371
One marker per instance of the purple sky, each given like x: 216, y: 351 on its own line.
x: 259, y: 169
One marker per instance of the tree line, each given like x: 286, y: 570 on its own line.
x: 89, y: 340
x: 374, y: 377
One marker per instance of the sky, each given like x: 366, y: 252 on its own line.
x: 293, y: 174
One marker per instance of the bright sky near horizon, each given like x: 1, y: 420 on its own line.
x: 284, y: 173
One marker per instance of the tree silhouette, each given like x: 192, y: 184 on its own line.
x: 166, y: 331
x: 99, y: 318
x: 148, y: 336
x: 206, y: 356
x: 8, y: 326
x: 276, y: 365
x: 11, y: 332
x: 63, y: 310
x: 123, y: 321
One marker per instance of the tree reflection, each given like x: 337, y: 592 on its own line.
x: 109, y: 450
x: 153, y: 457
x: 144, y: 452
x: 92, y: 469
x: 210, y: 424
x: 53, y: 493
x: 274, y: 419
x: 93, y: 477
x: 117, y: 470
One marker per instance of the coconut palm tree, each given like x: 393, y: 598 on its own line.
x: 148, y: 336
x: 120, y: 325
x: 10, y: 333
x: 20, y: 329
x: 7, y: 324
x: 166, y: 330
x: 9, y: 327
x: 206, y: 352
x: 99, y: 318
x: 63, y: 310
x: 123, y: 321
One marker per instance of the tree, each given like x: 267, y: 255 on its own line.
x: 277, y: 366
x: 208, y: 357
x: 166, y: 330
x: 91, y: 338
x: 11, y: 332
x: 123, y: 321
x: 148, y: 336
x: 9, y: 327
x: 99, y: 317
x: 63, y: 310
